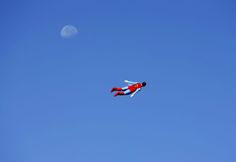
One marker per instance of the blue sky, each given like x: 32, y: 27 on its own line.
x: 55, y: 99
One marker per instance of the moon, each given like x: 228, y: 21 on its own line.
x: 69, y: 31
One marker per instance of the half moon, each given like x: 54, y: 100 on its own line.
x: 68, y: 31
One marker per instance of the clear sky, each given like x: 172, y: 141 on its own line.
x: 55, y: 104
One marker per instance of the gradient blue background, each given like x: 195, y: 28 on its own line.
x: 55, y: 100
